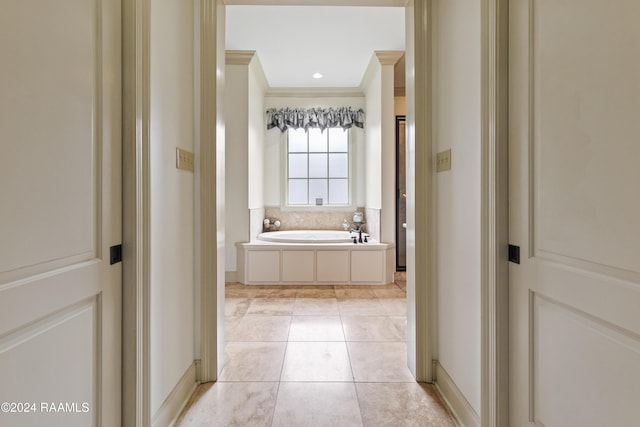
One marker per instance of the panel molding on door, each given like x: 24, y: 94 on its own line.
x: 21, y: 349
x: 557, y: 143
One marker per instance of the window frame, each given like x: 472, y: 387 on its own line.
x: 284, y: 181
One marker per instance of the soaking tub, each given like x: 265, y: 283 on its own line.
x: 314, y: 257
x: 307, y: 236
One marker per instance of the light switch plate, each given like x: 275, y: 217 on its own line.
x: 443, y: 161
x: 184, y: 160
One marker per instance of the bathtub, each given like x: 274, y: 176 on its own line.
x: 307, y: 236
x: 314, y: 257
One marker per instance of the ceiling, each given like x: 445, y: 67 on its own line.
x: 294, y: 42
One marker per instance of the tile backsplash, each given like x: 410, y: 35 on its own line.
x: 307, y: 220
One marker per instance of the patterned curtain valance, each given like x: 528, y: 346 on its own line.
x: 306, y: 118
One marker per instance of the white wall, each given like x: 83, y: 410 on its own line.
x: 273, y: 140
x: 236, y: 98
x: 172, y: 197
x: 456, y: 126
x: 400, y: 105
x: 257, y: 126
x: 244, y: 155
x: 373, y: 126
x: 380, y: 150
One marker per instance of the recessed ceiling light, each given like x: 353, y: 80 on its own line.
x: 317, y: 76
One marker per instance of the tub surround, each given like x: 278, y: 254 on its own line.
x: 374, y: 222
x: 262, y: 262
x: 256, y: 218
x: 312, y: 220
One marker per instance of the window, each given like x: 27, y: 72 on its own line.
x: 318, y: 167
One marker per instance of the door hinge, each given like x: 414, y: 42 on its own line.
x: 514, y: 254
x: 115, y: 254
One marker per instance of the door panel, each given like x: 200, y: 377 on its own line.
x: 575, y: 332
x: 60, y: 212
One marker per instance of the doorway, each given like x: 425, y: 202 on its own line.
x: 418, y: 194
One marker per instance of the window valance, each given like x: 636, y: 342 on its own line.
x: 322, y: 118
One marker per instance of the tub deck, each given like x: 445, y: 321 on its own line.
x: 262, y: 262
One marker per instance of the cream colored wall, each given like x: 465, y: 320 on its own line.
x: 400, y: 105
x: 256, y: 126
x: 172, y: 197
x: 236, y: 106
x: 456, y: 126
x: 373, y: 126
x: 244, y: 154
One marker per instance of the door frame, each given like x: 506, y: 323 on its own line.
x: 494, y: 309
x: 136, y: 209
x: 210, y: 281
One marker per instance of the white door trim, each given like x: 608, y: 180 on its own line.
x: 210, y: 19
x: 420, y: 307
x: 136, y: 391
x: 212, y: 281
x: 495, y: 215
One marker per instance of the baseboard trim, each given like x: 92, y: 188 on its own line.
x: 230, y: 276
x: 454, y: 399
x: 173, y: 404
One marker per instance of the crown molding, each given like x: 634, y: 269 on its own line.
x: 388, y: 57
x: 239, y: 57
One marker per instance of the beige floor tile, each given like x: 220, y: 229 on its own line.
x: 372, y: 328
x: 230, y: 325
x: 379, y: 362
x: 395, y: 292
x: 316, y: 306
x: 316, y: 361
x: 360, y: 307
x: 405, y: 404
x: 253, y: 361
x: 315, y: 292
x: 238, y: 291
x: 274, y: 292
x: 355, y: 293
x: 316, y: 328
x: 275, y: 306
x: 231, y: 404
x: 394, y: 306
x: 236, y: 306
x: 316, y: 405
x: 261, y: 327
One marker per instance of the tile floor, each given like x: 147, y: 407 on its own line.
x: 315, y: 356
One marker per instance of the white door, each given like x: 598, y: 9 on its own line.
x: 60, y: 203
x: 575, y: 212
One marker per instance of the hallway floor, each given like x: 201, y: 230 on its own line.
x: 315, y: 356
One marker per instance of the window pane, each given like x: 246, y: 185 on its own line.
x: 338, y: 140
x: 317, y: 140
x: 297, y: 165
x: 317, y: 165
x: 339, y: 191
x: 317, y: 189
x: 298, y: 191
x: 338, y: 165
x: 297, y: 140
